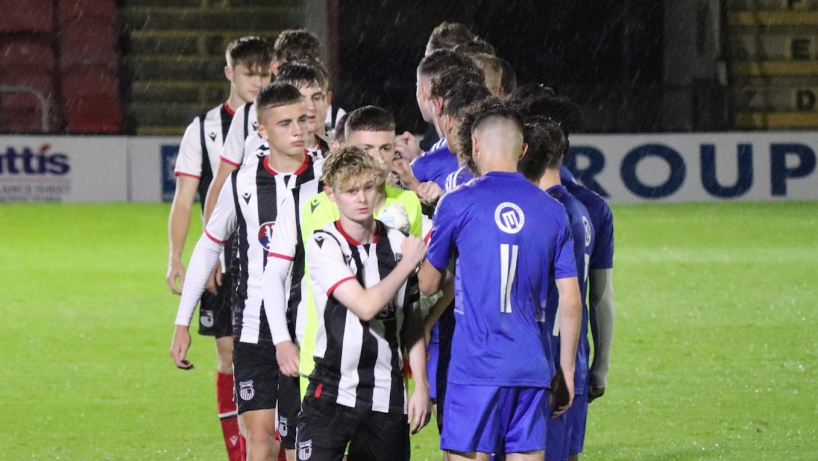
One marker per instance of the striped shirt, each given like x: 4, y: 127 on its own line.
x: 359, y: 364
x: 250, y: 206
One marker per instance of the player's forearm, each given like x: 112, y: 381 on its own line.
x: 601, y: 313
x: 417, y: 348
x: 430, y: 279
x: 178, y: 226
x: 570, y: 309
x: 202, y: 261
x: 275, y: 298
x: 437, y: 309
x: 372, y: 300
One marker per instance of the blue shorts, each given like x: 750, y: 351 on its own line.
x: 565, y: 435
x: 432, y: 352
x: 489, y: 419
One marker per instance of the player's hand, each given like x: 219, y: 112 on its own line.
x: 419, y: 408
x: 414, y: 250
x: 403, y: 170
x: 179, y: 346
x: 562, y: 394
x: 176, y: 270
x: 595, y: 393
x: 215, y: 280
x: 429, y: 192
x: 407, y: 146
x: 288, y: 358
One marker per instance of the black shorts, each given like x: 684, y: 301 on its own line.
x: 256, y: 376
x: 289, y: 404
x: 215, y: 313
x: 325, y: 428
x: 445, y: 334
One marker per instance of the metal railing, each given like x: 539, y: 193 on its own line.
x: 44, y: 112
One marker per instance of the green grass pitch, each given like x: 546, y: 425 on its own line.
x: 715, y: 353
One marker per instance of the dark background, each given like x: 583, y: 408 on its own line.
x: 603, y: 54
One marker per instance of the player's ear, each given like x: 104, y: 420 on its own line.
x: 330, y: 193
x: 523, y: 151
x: 438, y: 105
x: 228, y: 73
x: 329, y: 97
x: 334, y: 144
x: 263, y: 132
x: 475, y: 145
x: 274, y: 67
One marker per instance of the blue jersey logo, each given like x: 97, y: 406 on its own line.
x: 509, y: 218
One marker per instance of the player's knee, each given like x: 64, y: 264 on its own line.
x: 224, y: 354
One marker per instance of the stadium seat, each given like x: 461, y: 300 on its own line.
x: 27, y: 52
x: 20, y: 113
x: 87, y: 11
x: 27, y: 16
x: 92, y: 103
x: 88, y: 45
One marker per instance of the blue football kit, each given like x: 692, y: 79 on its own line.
x: 435, y: 165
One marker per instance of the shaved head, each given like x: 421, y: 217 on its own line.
x: 497, y: 139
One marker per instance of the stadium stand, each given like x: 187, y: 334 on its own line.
x: 774, y: 63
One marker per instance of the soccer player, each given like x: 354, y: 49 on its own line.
x: 483, y: 56
x: 247, y: 70
x: 313, y: 83
x: 508, y: 237
x: 541, y: 100
x: 368, y: 313
x: 373, y: 129
x: 541, y: 165
x: 448, y: 35
x: 249, y: 206
x: 292, y: 45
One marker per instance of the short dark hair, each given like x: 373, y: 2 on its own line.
x: 302, y: 74
x: 297, y: 45
x: 447, y: 35
x: 369, y: 118
x: 462, y: 97
x: 532, y: 100
x: 509, y: 80
x: 454, y: 77
x: 340, y: 128
x: 440, y: 60
x: 475, y: 46
x: 276, y: 94
x: 468, y: 116
x: 249, y: 51
x: 546, y: 146
x: 487, y: 62
x: 495, y: 111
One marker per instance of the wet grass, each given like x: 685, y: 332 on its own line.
x: 714, y: 355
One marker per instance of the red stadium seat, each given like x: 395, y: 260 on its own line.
x: 21, y: 113
x: 87, y: 11
x: 92, y: 104
x: 27, y: 52
x: 88, y: 45
x: 26, y: 16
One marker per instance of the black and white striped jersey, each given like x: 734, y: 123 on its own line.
x: 202, y: 145
x: 245, y: 123
x: 358, y: 363
x: 287, y: 244
x: 249, y: 204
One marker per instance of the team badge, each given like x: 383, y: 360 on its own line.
x: 282, y: 427
x: 246, y: 391
x: 587, y: 227
x: 206, y: 318
x: 509, y: 218
x: 304, y: 450
x: 265, y: 234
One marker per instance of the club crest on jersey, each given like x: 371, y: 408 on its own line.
x: 206, y: 318
x: 282, y: 427
x: 509, y: 218
x: 246, y: 391
x: 304, y: 450
x: 212, y: 135
x: 587, y: 227
x: 265, y: 234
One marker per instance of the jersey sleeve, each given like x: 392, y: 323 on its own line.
x: 326, y: 263
x: 233, y: 152
x: 419, y: 169
x: 564, y: 262
x: 285, y: 234
x: 603, y: 251
x: 223, y: 220
x: 189, y: 160
x: 445, y: 226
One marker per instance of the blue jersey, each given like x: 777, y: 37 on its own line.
x: 582, y: 232
x: 458, y: 177
x: 509, y: 238
x: 601, y: 219
x: 435, y: 166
